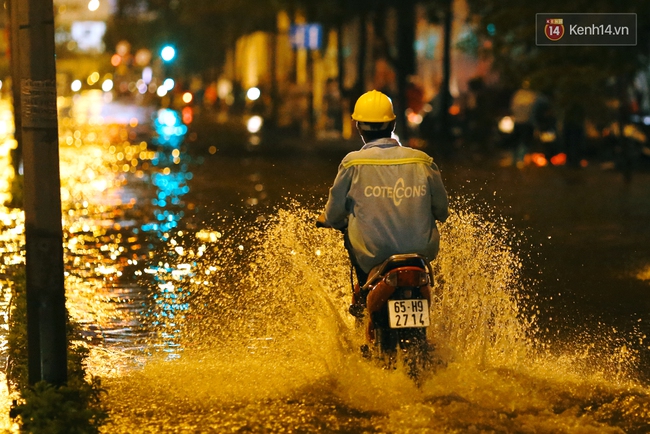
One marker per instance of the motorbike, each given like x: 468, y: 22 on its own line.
x: 397, y: 299
x: 393, y: 305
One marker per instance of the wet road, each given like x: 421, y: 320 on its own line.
x: 212, y: 304
x: 586, y: 238
x: 584, y: 233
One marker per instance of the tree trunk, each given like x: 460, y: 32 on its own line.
x: 360, y: 87
x: 406, y: 60
x: 445, y: 96
x: 16, y: 154
x: 33, y: 24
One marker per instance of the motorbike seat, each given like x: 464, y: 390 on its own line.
x: 396, y: 261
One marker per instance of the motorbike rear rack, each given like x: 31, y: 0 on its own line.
x: 396, y: 261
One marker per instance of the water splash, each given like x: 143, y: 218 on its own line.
x: 255, y: 284
x: 266, y: 337
x: 262, y: 340
x: 477, y: 315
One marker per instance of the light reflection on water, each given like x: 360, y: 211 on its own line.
x: 116, y: 236
x: 244, y: 327
x: 113, y: 222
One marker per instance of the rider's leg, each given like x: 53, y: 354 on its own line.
x: 362, y: 276
x: 358, y: 299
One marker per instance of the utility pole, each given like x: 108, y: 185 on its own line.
x: 32, y: 26
x: 362, y: 57
x: 16, y: 154
x: 406, y: 62
x: 445, y: 96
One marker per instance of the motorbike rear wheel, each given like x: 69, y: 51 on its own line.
x: 414, y: 350
x: 386, y: 347
x: 416, y: 353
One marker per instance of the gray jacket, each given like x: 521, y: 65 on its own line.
x: 390, y: 197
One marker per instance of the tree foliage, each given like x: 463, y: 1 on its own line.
x: 201, y: 30
x: 572, y: 74
x: 73, y: 408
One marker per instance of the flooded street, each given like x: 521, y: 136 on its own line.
x: 211, y: 303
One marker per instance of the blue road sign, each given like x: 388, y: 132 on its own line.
x: 308, y: 36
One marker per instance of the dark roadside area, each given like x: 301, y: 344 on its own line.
x: 584, y: 232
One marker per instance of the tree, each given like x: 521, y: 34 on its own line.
x: 573, y: 75
x: 201, y: 30
x: 401, y: 57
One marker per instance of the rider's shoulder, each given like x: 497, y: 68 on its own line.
x: 368, y: 155
x: 418, y: 154
x: 352, y: 156
x: 414, y: 151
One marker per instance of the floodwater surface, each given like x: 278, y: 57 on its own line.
x: 211, y: 303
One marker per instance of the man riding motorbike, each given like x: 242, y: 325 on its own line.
x: 386, y: 197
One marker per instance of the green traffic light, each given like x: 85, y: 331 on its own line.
x: 168, y: 53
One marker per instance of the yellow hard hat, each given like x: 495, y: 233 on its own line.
x: 373, y: 106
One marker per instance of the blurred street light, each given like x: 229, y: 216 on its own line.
x: 254, y: 124
x: 93, y: 78
x: 107, y: 85
x: 169, y: 84
x: 168, y: 53
x: 253, y: 94
x: 506, y: 125
x: 147, y: 74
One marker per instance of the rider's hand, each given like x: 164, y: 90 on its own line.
x: 321, y: 222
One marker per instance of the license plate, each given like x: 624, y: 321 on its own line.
x: 408, y: 313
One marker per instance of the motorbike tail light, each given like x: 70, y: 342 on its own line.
x: 414, y: 278
x: 424, y: 278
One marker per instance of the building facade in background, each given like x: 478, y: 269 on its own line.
x: 80, y: 28
x: 303, y: 75
x: 309, y: 79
